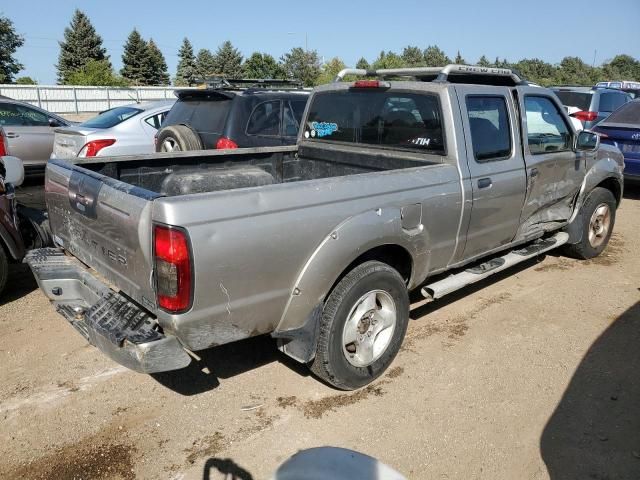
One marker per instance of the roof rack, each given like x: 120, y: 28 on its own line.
x: 219, y: 82
x: 439, y: 74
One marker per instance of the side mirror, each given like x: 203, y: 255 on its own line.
x: 586, y: 141
x: 14, y: 170
x: 54, y: 123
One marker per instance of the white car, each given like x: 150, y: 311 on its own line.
x: 126, y: 130
x: 577, y: 124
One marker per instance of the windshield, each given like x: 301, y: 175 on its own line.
x: 581, y: 100
x: 629, y: 113
x: 111, y: 118
x: 392, y: 119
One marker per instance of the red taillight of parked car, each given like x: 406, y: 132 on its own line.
x: 370, y: 84
x: 585, y: 116
x: 92, y: 148
x: 3, y: 144
x: 224, y: 142
x: 172, y: 268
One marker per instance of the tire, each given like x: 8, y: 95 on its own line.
x: 376, y: 324
x: 34, y: 227
x: 4, y: 269
x: 598, y: 217
x: 178, y: 138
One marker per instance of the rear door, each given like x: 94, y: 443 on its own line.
x: 263, y: 128
x: 104, y: 223
x: 608, y: 102
x: 28, y: 133
x: 554, y: 171
x: 496, y: 166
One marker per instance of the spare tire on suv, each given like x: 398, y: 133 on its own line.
x: 178, y: 138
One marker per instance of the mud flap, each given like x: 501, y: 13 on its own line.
x: 300, y: 343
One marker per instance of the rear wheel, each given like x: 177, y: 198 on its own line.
x: 4, y: 269
x: 362, y: 327
x: 178, y: 138
x: 598, y: 217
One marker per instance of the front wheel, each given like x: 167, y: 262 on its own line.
x: 598, y: 218
x: 363, y: 323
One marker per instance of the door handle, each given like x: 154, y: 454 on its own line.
x: 484, y: 183
x: 12, y: 135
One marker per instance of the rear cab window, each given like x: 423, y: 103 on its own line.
x: 388, y: 119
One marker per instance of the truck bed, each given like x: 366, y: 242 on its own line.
x: 200, y: 172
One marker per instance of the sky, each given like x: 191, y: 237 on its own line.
x: 349, y: 29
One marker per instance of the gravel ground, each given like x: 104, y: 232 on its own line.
x: 530, y: 375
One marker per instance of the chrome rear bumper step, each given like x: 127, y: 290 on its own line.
x: 497, y: 264
x: 120, y: 328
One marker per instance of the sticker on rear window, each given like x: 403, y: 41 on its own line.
x: 323, y: 129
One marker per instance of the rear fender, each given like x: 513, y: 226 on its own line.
x: 341, y: 247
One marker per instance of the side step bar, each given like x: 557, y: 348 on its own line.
x: 497, y: 264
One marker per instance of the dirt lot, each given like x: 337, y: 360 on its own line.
x: 531, y: 375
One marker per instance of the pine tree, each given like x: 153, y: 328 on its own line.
x: 363, y: 64
x: 10, y: 41
x: 412, y: 57
x: 206, y: 63
x: 159, y: 74
x: 136, y: 65
x: 459, y: 60
x: 484, y: 62
x: 302, y: 65
x: 81, y: 44
x: 187, y: 71
x: 228, y: 60
x: 435, y: 57
x: 262, y: 65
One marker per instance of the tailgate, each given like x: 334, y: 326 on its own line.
x: 104, y: 223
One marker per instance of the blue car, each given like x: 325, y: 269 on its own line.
x: 622, y: 130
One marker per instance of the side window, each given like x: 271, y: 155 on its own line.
x: 156, y: 120
x: 32, y: 117
x: 291, y: 124
x: 546, y: 130
x: 265, y: 119
x: 612, y: 101
x: 9, y: 115
x: 490, y: 129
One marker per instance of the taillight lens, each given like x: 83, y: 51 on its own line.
x: 92, y: 148
x: 366, y: 84
x: 3, y: 144
x: 224, y: 142
x: 173, y: 268
x: 585, y: 116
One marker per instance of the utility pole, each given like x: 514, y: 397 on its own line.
x: 595, y: 52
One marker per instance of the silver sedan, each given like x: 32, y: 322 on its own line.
x: 125, y: 130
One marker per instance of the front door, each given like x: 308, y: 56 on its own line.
x: 554, y: 170
x: 497, y: 168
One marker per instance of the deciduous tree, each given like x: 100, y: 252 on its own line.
x: 10, y: 41
x: 302, y: 64
x: 262, y: 65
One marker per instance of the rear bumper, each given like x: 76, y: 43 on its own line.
x: 120, y: 328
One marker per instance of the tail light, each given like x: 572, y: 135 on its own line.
x: 370, y: 84
x: 174, y: 281
x: 224, y: 142
x: 3, y: 144
x: 92, y: 148
x: 584, y: 116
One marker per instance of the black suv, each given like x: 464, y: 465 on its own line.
x: 234, y: 114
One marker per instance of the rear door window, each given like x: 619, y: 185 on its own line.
x: 155, y: 121
x: 396, y: 120
x: 15, y: 115
x: 9, y: 115
x: 265, y: 119
x: 490, y: 129
x: 290, y: 121
x: 612, y: 101
x: 546, y: 129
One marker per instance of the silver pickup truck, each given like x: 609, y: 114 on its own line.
x: 401, y: 179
